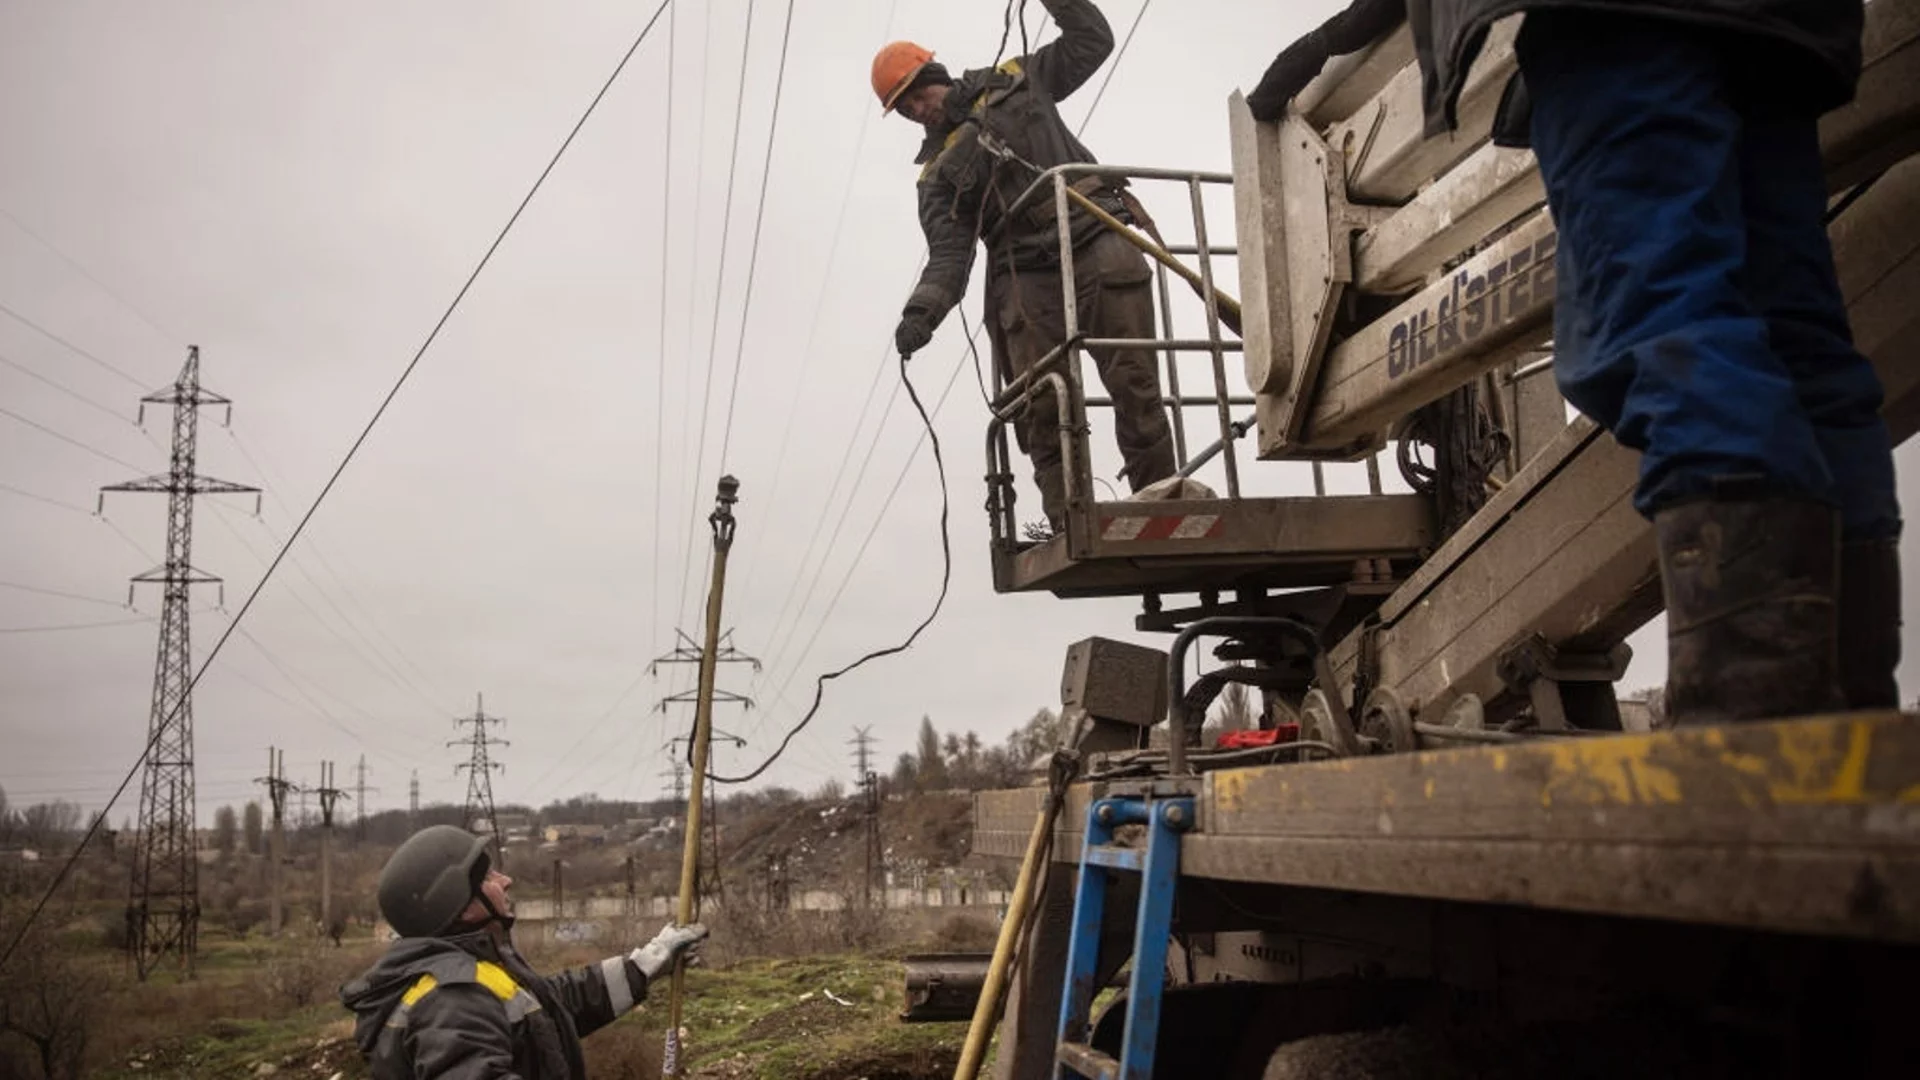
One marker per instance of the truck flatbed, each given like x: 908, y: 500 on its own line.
x: 1809, y: 825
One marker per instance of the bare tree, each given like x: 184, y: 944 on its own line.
x: 1038, y: 737
x: 45, y: 825
x: 47, y: 1007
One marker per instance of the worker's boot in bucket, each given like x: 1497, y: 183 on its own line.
x: 1749, y: 586
x: 1870, y: 623
x: 1052, y: 482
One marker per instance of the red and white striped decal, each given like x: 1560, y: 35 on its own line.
x: 1160, y: 527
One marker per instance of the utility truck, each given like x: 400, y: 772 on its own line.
x: 1446, y: 819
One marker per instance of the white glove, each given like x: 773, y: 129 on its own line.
x: 657, y: 955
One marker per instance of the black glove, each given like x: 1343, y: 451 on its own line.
x: 913, y: 333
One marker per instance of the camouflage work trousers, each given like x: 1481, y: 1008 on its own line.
x: 1026, y: 317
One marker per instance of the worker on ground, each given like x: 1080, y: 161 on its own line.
x: 453, y: 999
x: 990, y: 134
x: 1698, y: 316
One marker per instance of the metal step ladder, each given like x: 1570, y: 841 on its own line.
x: 1158, y: 864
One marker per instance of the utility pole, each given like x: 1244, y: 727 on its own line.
x: 869, y: 788
x: 722, y: 522
x: 480, y: 768
x: 633, y: 896
x: 277, y: 789
x: 559, y: 889
x: 329, y: 796
x: 413, y: 803
x: 360, y: 790
x: 163, y: 903
x: 778, y: 896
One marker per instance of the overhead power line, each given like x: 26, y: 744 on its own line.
x: 660, y: 359
x: 71, y: 347
x: 88, y: 274
x: 70, y: 440
x: 1119, y: 56
x: 391, y: 647
x: 946, y: 576
x: 64, y: 389
x: 362, y: 647
x: 73, y: 626
x: 873, y: 530
x: 753, y: 250
x: 43, y: 591
x: 819, y: 306
x: 25, y: 494
x: 713, y: 332
x: 500, y: 238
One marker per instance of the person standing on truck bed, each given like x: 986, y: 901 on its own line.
x: 990, y: 133
x: 454, y: 1000
x: 1698, y: 316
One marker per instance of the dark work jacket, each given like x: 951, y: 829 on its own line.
x: 966, y: 186
x: 1818, y: 40
x: 470, y: 1008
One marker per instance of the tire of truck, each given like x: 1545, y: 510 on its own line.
x: 1230, y: 1030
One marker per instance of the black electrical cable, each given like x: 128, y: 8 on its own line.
x: 1014, y: 9
x: 94, y: 828
x: 946, y: 576
x: 1006, y: 29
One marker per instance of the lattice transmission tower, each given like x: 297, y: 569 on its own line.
x: 163, y: 906
x: 480, y: 768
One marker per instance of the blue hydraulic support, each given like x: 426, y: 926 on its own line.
x: 1158, y: 863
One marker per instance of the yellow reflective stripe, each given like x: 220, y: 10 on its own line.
x: 421, y: 988
x: 952, y: 137
x: 1011, y: 67
x: 495, y: 978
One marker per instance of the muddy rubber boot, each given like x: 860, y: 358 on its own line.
x: 1150, y: 466
x: 1052, y: 482
x: 1870, y: 623
x: 1750, y: 588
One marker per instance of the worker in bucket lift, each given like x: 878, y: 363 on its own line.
x: 1698, y: 315
x: 453, y: 999
x: 989, y: 135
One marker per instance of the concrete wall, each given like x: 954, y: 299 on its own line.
x: 539, y: 909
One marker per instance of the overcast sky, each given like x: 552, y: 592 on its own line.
x: 300, y: 189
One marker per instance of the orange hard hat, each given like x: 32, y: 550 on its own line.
x: 894, y: 68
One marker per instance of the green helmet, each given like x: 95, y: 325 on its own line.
x: 429, y: 881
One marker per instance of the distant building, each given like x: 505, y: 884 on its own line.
x: 516, y: 828
x: 561, y: 834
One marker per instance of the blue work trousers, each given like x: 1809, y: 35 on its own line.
x: 1698, y: 316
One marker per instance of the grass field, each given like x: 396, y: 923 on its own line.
x: 259, y: 1008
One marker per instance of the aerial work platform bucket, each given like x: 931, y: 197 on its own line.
x: 1146, y: 546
